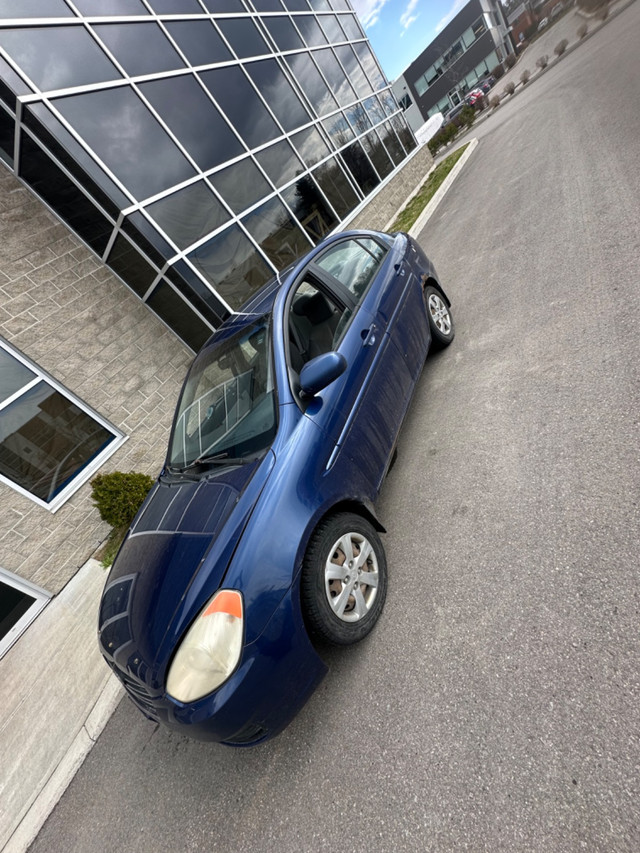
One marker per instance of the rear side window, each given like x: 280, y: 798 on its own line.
x: 353, y: 263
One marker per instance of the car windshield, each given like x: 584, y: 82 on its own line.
x: 227, y: 410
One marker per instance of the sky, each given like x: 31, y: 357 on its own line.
x: 399, y: 30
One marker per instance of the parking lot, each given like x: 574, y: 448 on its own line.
x: 495, y: 705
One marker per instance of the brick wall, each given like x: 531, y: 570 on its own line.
x: 382, y: 209
x: 63, y: 309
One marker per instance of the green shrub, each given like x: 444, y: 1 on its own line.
x: 583, y: 29
x: 119, y: 496
x: 560, y: 48
x: 524, y: 77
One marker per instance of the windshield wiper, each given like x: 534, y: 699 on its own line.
x: 213, y: 459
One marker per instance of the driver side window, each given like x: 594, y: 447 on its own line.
x: 316, y: 322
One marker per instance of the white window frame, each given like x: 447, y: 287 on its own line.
x: 42, y: 598
x: 90, y: 469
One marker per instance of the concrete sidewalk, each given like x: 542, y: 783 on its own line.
x: 57, y: 695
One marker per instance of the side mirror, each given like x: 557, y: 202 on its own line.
x: 320, y: 372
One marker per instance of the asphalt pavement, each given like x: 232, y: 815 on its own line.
x: 495, y: 706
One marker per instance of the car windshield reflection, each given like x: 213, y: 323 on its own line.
x: 227, y: 410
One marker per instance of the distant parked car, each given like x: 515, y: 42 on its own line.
x: 487, y: 83
x: 557, y: 9
x: 474, y: 96
x: 543, y: 23
x: 454, y: 113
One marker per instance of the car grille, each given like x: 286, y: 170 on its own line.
x: 138, y: 693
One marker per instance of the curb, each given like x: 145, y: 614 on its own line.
x: 429, y: 210
x: 59, y: 781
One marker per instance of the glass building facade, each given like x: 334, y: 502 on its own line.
x: 196, y: 146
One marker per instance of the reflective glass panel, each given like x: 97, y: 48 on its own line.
x: 379, y: 157
x: 392, y: 143
x: 68, y: 151
x: 283, y: 33
x: 144, y: 235
x: 184, y: 105
x: 359, y: 119
x: 296, y: 5
x: 124, y: 134
x: 200, y: 42
x: 309, y: 79
x: 310, y: 145
x: 334, y: 184
x: 335, y: 76
x: 307, y: 202
x: 7, y: 133
x: 189, y: 214
x: 310, y: 29
x: 243, y: 36
x: 233, y: 265
x: 103, y: 8
x: 374, y: 109
x: 187, y: 282
x: 63, y: 196
x: 279, y: 237
x: 58, y: 57
x: 320, y: 5
x: 128, y: 263
x: 179, y: 316
x: 388, y: 101
x: 35, y: 9
x: 331, y: 28
x: 175, y: 7
x: 280, y: 162
x: 360, y: 168
x: 353, y: 70
x: 13, y: 375
x: 225, y: 5
x: 370, y: 65
x: 139, y: 48
x: 241, y: 185
x: 404, y: 134
x: 46, y: 440
x: 349, y: 24
x: 241, y: 104
x: 338, y: 129
x: 11, y: 85
x: 274, y: 87
x: 267, y: 5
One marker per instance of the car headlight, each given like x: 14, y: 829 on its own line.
x: 211, y: 649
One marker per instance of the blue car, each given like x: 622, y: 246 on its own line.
x: 259, y: 541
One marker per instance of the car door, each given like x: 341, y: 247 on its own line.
x: 363, y: 409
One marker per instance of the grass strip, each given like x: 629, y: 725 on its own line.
x: 414, y: 208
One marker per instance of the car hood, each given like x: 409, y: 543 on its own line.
x: 172, y: 560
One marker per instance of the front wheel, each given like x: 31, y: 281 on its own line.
x: 440, y: 319
x: 344, y: 579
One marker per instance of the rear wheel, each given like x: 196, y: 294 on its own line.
x: 344, y: 579
x: 440, y: 319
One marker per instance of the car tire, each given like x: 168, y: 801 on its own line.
x: 440, y: 319
x: 344, y: 580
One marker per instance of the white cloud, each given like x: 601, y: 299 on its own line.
x: 368, y: 10
x: 407, y: 18
x: 457, y: 6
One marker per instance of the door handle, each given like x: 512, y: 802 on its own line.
x: 369, y: 335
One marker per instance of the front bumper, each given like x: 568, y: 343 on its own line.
x: 276, y: 675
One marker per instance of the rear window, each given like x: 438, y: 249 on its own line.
x: 354, y: 263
